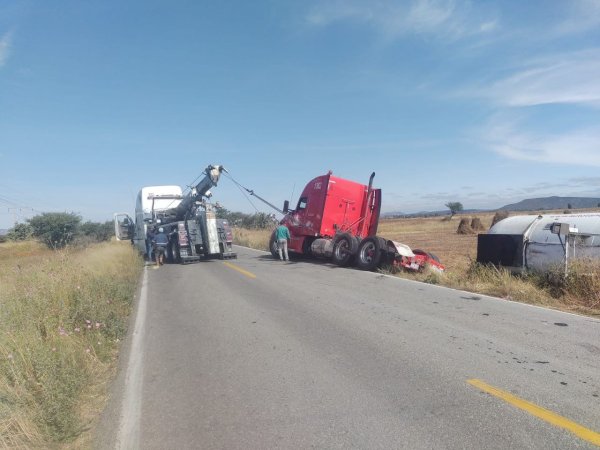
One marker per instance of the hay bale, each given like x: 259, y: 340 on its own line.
x: 464, y: 227
x: 500, y: 215
x: 476, y: 224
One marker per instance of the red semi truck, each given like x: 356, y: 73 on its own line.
x: 338, y: 218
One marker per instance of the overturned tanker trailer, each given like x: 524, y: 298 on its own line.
x: 540, y: 243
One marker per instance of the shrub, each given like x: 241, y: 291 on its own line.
x: 20, y: 232
x: 96, y: 231
x: 56, y: 230
x: 581, y: 286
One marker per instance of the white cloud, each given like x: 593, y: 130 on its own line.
x: 581, y: 16
x: 577, y: 147
x: 445, y: 17
x: 567, y: 79
x: 5, y: 44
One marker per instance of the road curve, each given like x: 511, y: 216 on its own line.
x: 257, y: 353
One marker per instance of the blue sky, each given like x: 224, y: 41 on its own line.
x: 485, y: 103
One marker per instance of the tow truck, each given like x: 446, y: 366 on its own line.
x: 189, y: 220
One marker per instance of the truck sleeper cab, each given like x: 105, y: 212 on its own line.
x: 332, y: 216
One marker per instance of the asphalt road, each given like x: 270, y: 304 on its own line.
x: 256, y: 354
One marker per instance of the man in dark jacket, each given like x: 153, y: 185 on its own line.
x: 161, y: 241
x: 149, y: 241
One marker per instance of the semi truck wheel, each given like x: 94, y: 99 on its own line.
x: 369, y: 253
x: 175, y: 253
x: 344, y: 248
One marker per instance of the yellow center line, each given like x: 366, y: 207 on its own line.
x: 539, y: 412
x: 240, y: 270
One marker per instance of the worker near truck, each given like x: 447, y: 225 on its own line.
x: 149, y: 242
x: 161, y: 240
x: 282, y: 235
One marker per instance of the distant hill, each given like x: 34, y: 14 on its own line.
x: 443, y: 212
x: 533, y: 204
x: 530, y: 204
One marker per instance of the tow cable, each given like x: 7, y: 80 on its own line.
x: 251, y: 192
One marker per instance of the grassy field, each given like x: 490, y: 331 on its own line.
x: 63, y: 315
x: 578, y: 293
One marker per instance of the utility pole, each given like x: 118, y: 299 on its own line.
x: 14, y: 214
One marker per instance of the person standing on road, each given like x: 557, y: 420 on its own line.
x: 149, y: 241
x: 161, y: 241
x: 282, y: 236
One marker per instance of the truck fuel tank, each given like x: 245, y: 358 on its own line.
x: 322, y: 247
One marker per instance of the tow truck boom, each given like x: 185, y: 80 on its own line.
x: 202, y: 189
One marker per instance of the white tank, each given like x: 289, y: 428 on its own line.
x: 543, y: 249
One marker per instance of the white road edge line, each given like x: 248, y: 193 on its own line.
x: 128, y: 436
x: 461, y: 291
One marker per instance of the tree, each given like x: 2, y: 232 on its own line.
x: 569, y: 206
x: 454, y: 207
x: 96, y: 231
x: 259, y: 220
x: 20, y: 232
x: 56, y: 230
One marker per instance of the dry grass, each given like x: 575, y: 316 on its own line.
x: 580, y: 292
x: 252, y: 238
x: 63, y: 314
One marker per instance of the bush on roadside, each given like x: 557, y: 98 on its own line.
x: 579, y: 287
x: 93, y: 232
x: 56, y: 230
x: 20, y: 232
x: 491, y: 280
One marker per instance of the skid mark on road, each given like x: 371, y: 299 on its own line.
x: 240, y: 270
x: 539, y: 412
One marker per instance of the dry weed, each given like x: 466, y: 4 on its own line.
x: 253, y: 238
x: 64, y: 313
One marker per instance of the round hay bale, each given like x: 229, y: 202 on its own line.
x: 500, y: 215
x: 476, y: 224
x: 464, y: 227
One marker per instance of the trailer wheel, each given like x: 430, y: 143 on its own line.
x: 273, y: 246
x: 369, y: 253
x: 344, y: 248
x: 175, y: 253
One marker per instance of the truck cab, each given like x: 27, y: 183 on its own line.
x: 330, y: 205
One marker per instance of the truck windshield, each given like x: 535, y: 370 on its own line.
x: 302, y: 203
